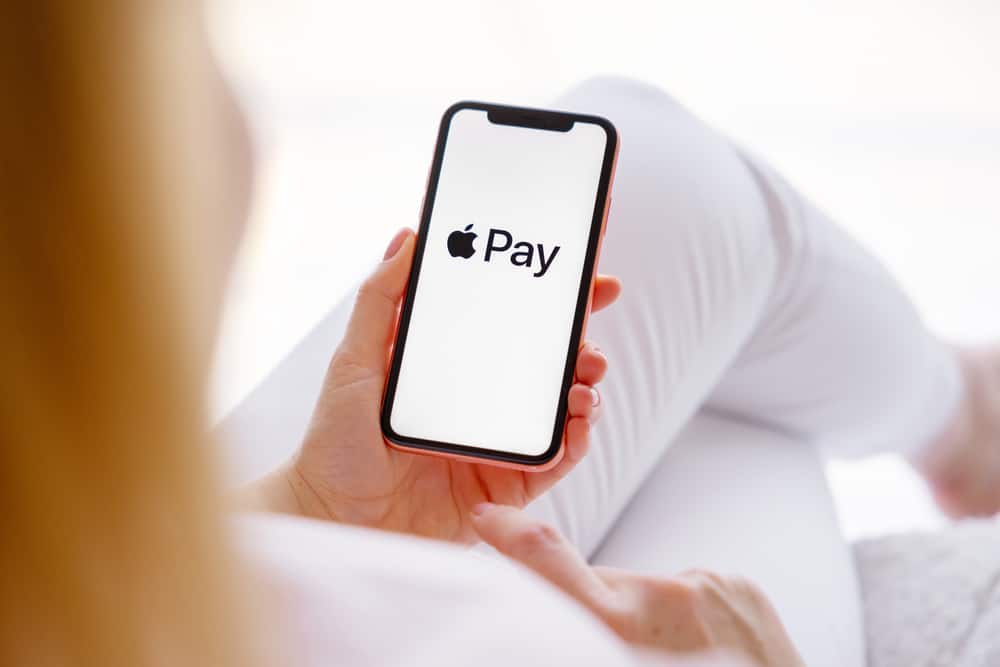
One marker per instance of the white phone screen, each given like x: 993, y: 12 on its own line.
x: 492, y: 315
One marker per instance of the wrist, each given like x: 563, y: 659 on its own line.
x: 283, y: 491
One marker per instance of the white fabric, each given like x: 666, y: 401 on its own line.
x: 741, y: 499
x: 341, y: 595
x: 933, y: 599
x: 350, y: 596
x: 741, y: 299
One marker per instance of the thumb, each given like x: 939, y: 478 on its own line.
x: 541, y: 548
x: 369, y: 329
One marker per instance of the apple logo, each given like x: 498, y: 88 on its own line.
x: 460, y: 243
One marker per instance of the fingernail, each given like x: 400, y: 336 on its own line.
x: 482, y: 508
x: 395, y: 244
x: 595, y: 397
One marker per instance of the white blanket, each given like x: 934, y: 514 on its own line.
x: 933, y: 599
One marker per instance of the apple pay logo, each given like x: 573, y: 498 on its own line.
x: 499, y: 242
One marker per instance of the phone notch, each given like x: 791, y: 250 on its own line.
x: 552, y: 121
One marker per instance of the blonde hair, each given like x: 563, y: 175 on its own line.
x: 113, y: 550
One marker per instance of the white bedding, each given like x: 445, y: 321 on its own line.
x: 933, y: 599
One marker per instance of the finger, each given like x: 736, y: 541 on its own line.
x: 370, y: 327
x: 607, y: 289
x: 591, y: 364
x: 541, y: 548
x: 577, y: 440
x: 584, y: 401
x: 575, y: 450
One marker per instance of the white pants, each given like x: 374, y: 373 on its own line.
x: 740, y: 297
x: 742, y: 300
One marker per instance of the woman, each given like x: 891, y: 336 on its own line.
x: 124, y: 190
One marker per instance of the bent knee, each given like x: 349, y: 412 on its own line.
x: 679, y: 182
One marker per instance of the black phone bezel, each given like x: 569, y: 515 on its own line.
x: 540, y: 119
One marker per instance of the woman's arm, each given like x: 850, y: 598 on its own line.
x: 280, y: 491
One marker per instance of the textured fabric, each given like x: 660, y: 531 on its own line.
x: 933, y: 599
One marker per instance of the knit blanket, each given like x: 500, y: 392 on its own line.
x: 933, y: 599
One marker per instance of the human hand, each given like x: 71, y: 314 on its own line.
x: 694, y: 611
x: 346, y: 472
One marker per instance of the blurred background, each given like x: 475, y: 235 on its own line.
x: 885, y: 112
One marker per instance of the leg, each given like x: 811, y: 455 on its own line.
x: 737, y: 498
x: 840, y: 356
x: 737, y: 294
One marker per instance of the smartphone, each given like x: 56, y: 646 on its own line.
x: 500, y: 288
